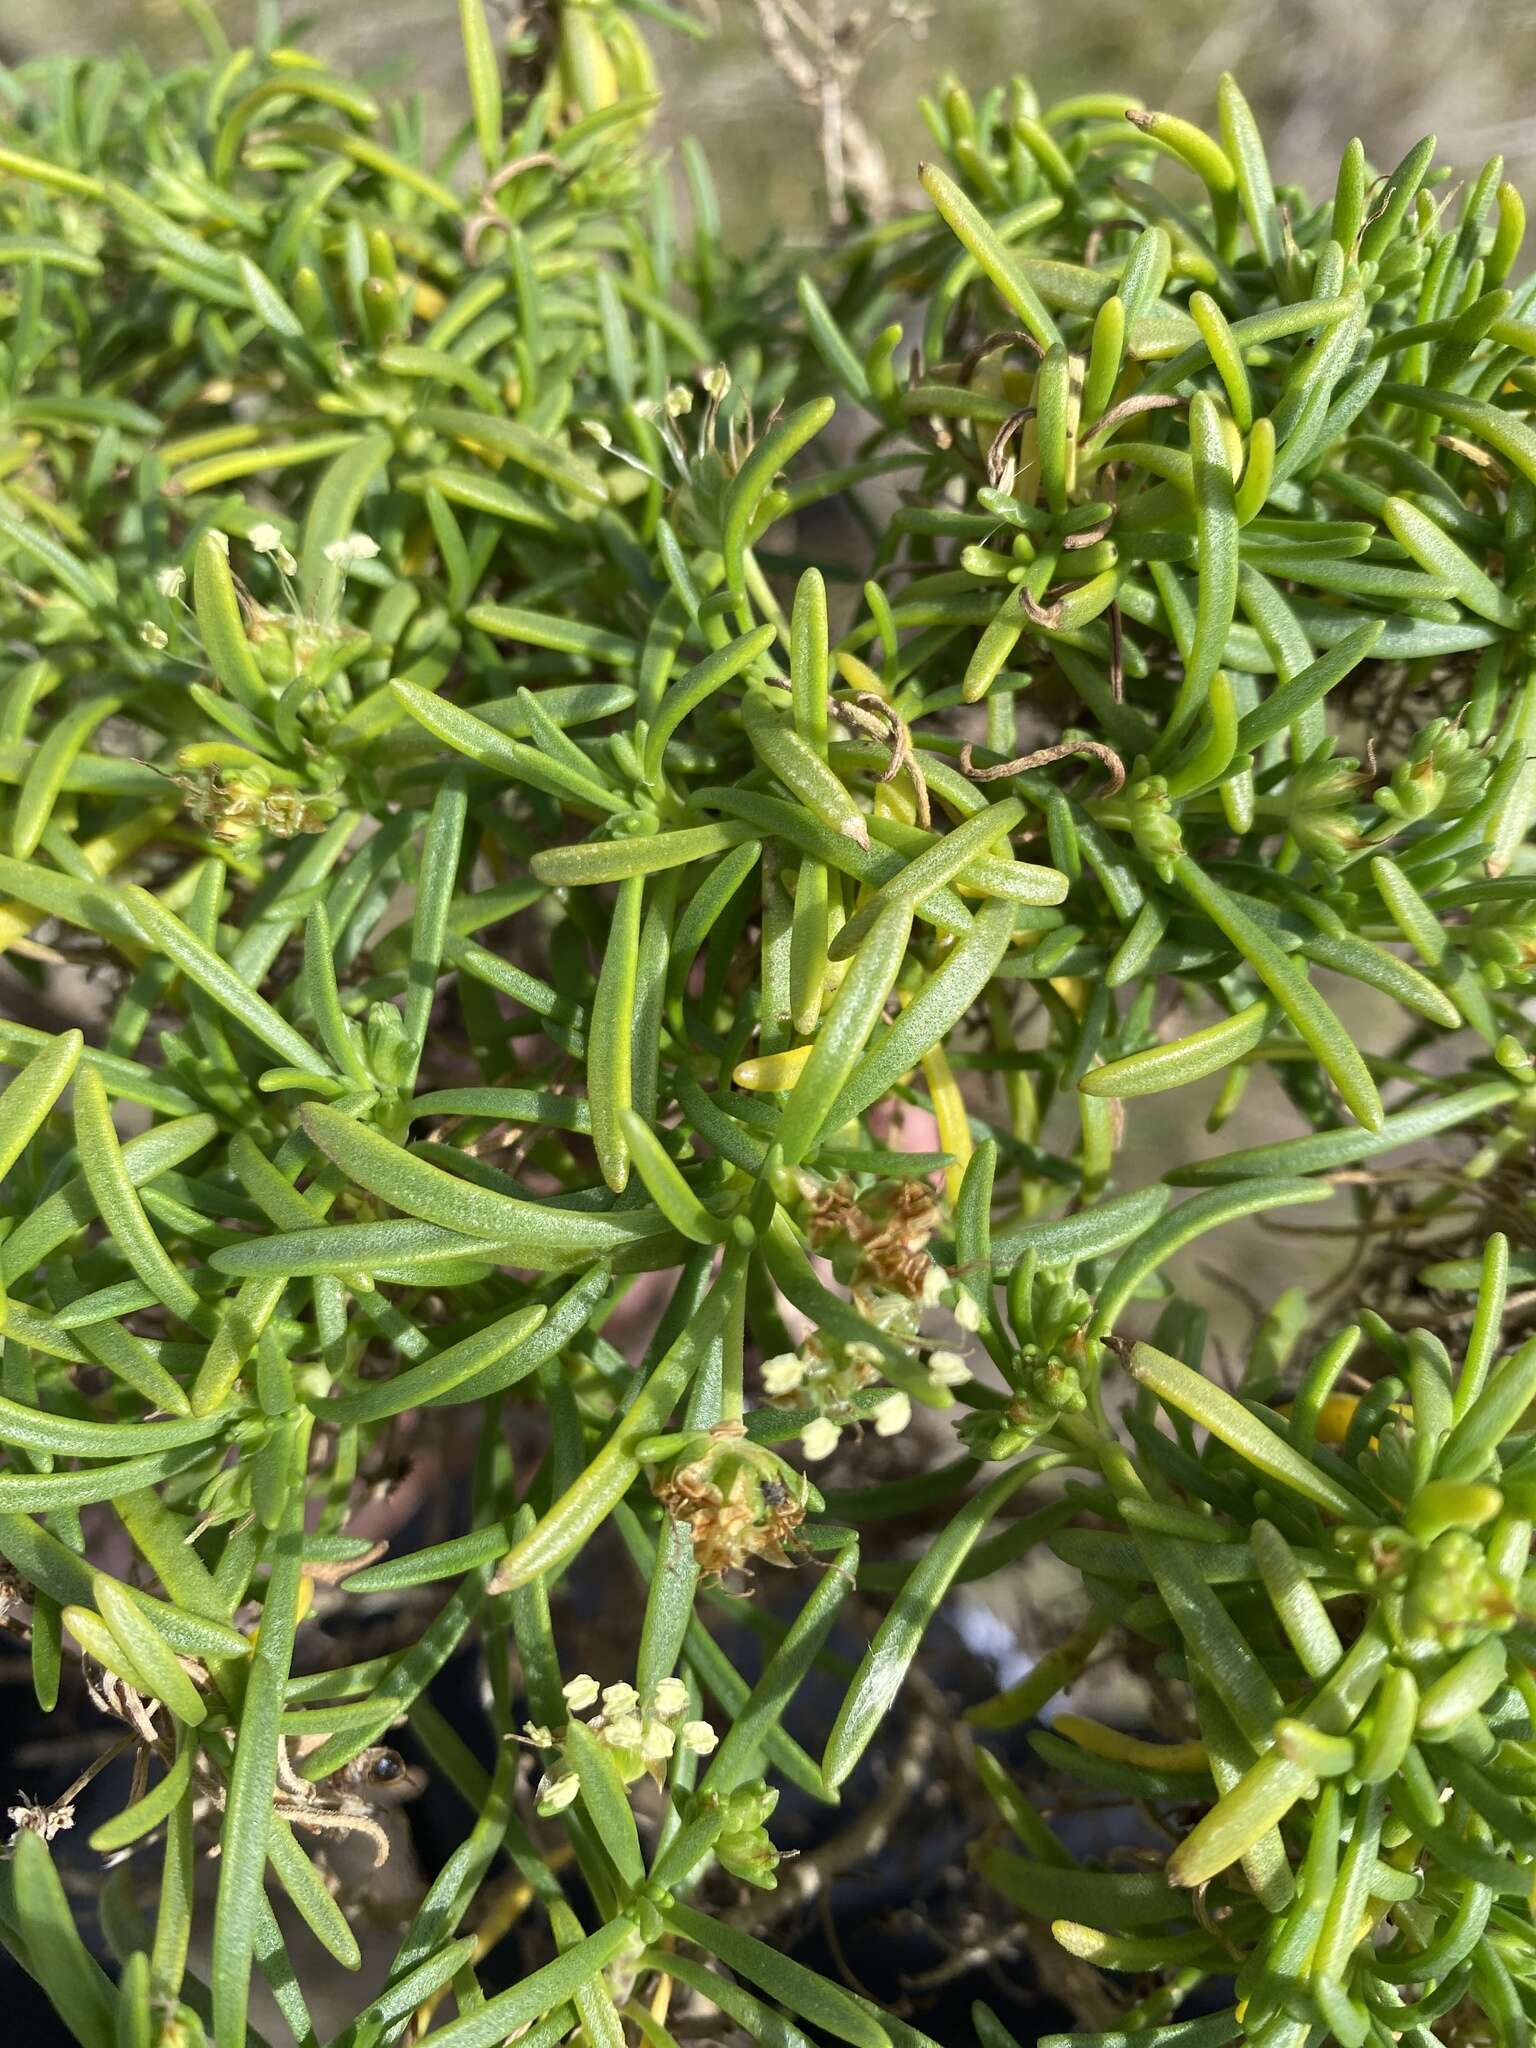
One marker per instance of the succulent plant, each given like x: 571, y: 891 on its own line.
x: 551, y: 766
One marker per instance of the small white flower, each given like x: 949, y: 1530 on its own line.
x: 170, y: 582
x: 818, y: 1439
x: 153, y: 635
x: 580, y: 1693
x: 679, y: 401
x: 537, y: 1736
x: 555, y: 1795
x: 967, y: 1314
x: 353, y: 547
x: 947, y: 1369
x: 657, y: 1742
x: 781, y: 1375
x: 670, y: 1698
x: 716, y: 382
x: 619, y: 1699
x: 596, y: 431
x: 623, y: 1731
x: 266, y: 540
x: 893, y: 1415
x: 698, y: 1737
x: 935, y: 1282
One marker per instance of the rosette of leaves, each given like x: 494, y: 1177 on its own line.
x: 1335, y: 1588
x: 511, y: 881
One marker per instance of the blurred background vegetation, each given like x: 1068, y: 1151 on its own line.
x: 1317, y: 71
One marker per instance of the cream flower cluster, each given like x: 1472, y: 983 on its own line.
x: 642, y: 1732
x: 816, y: 1378
x: 824, y: 1376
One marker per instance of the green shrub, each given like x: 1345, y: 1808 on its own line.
x: 500, y: 883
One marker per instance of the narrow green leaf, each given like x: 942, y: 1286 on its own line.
x: 744, y: 497
x: 119, y: 1204
x: 811, y: 1997
x: 56, y: 1956
x: 992, y: 255
x: 606, y: 1801
x: 1181, y: 1060
x: 897, y: 1640
x: 844, y: 1031
x: 221, y: 626
x: 25, y: 1105
x: 1226, y: 1417
x: 484, y: 73
x: 252, y: 1784
x: 332, y: 516
x: 419, y: 1189
x: 1333, y: 1046
x: 1210, y: 1211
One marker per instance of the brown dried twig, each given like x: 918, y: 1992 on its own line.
x: 821, y: 56
x: 485, y: 215
x: 1007, y: 337
x: 1042, y: 758
x: 872, y: 714
x: 997, y: 454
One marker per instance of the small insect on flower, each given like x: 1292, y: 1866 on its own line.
x: 739, y: 1499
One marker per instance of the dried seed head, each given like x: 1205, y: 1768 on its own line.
x: 739, y: 1499
x: 32, y: 1816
